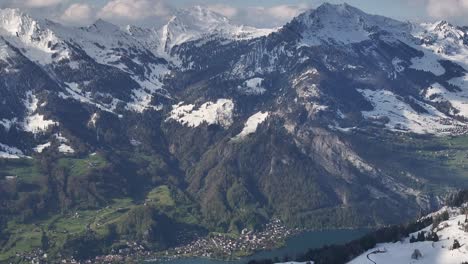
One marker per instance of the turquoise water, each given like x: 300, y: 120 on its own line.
x: 294, y: 246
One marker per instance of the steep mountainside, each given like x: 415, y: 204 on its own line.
x: 337, y: 119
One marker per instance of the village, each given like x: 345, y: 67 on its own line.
x: 226, y: 247
x: 216, y: 246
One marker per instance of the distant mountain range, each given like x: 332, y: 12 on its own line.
x: 337, y: 119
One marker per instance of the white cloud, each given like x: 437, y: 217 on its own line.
x: 77, y: 14
x: 447, y: 8
x: 40, y: 3
x: 272, y: 16
x: 133, y: 10
x: 225, y: 10
x: 285, y: 12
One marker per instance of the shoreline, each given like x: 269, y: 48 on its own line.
x: 225, y: 247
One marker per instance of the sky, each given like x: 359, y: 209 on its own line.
x: 259, y: 13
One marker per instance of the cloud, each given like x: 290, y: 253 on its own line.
x: 40, y: 3
x: 78, y: 14
x: 225, y: 10
x: 445, y: 9
x: 271, y: 16
x: 285, y: 12
x: 133, y: 10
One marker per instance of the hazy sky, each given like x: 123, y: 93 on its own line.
x: 262, y: 13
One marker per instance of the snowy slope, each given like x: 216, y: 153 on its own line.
x: 252, y: 124
x: 399, y: 115
x: 432, y: 252
x: 36, y: 41
x: 110, y: 45
x: 8, y: 152
x: 219, y: 112
x: 34, y: 121
x: 344, y: 24
x: 198, y: 22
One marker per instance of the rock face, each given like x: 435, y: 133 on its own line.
x: 313, y: 122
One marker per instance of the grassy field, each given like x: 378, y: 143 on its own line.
x: 81, y: 167
x: 25, y: 169
x: 26, y: 237
x: 175, y: 204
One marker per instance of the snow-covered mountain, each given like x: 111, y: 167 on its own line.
x: 198, y: 22
x: 441, y: 251
x: 241, y: 114
x: 343, y: 24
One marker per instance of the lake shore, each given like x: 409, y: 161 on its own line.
x: 291, y: 247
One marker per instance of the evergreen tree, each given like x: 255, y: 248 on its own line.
x: 421, y: 237
x: 456, y: 244
x: 44, y: 241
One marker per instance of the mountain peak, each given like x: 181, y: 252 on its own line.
x: 337, y: 7
x: 14, y: 21
x: 343, y: 24
x: 102, y: 25
x: 196, y: 22
x: 199, y: 18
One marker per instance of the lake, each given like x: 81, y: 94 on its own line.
x: 294, y: 246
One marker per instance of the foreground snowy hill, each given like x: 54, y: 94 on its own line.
x: 450, y: 248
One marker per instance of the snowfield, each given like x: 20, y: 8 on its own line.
x: 252, y: 86
x: 42, y: 147
x: 219, y: 112
x: 7, y: 152
x: 252, y: 123
x: 400, y: 116
x: 429, y: 63
x: 35, y: 122
x: 458, y: 99
x: 432, y: 252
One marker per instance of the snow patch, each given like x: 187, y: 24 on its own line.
x: 252, y: 124
x: 41, y: 148
x: 64, y: 148
x: 92, y: 121
x: 219, y: 112
x: 397, y: 65
x: 458, y: 99
x: 7, y: 124
x: 35, y: 122
x: 7, y: 152
x: 252, y: 86
x: 143, y: 97
x: 429, y: 63
x: 74, y: 92
x: 399, y: 116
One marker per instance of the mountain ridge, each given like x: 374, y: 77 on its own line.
x: 223, y: 132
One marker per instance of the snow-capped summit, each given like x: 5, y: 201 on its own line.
x: 190, y: 24
x: 449, y: 39
x: 13, y: 21
x: 36, y: 41
x: 101, y: 25
x: 343, y: 24
x: 197, y: 22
